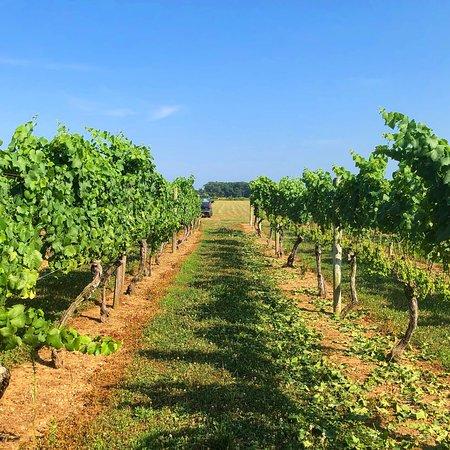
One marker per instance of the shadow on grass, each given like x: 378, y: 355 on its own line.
x: 249, y: 409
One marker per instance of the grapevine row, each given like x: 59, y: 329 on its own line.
x: 411, y: 208
x: 74, y: 200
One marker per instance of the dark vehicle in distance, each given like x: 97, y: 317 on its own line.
x: 207, y: 207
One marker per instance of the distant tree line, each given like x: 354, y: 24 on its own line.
x: 228, y: 189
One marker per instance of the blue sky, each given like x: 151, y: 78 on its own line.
x: 227, y: 90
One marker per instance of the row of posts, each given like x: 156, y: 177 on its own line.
x: 337, y: 261
x: 121, y: 269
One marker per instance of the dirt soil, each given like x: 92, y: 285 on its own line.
x: 40, y: 395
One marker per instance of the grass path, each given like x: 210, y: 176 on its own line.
x: 230, y: 363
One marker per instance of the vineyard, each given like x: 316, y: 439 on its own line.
x: 293, y: 320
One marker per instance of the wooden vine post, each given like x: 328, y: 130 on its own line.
x: 269, y: 237
x: 251, y: 215
x: 337, y: 272
x: 118, y: 287
x: 124, y: 269
x: 174, y: 233
x: 144, y: 267
x: 104, y: 310
x: 277, y: 240
x: 320, y: 279
x: 353, y: 293
x: 280, y: 243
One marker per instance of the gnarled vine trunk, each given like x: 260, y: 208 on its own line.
x: 291, y: 258
x: 97, y: 271
x: 5, y: 376
x: 258, y: 226
x: 187, y: 232
x: 353, y: 293
x: 159, y: 253
x: 143, y: 269
x: 398, y: 349
x: 320, y: 279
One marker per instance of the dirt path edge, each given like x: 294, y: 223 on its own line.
x: 41, y: 398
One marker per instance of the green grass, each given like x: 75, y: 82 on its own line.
x: 230, y: 212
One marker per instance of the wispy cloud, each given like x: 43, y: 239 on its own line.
x: 164, y: 111
x: 46, y: 65
x: 97, y: 108
x: 102, y: 109
x: 119, y: 112
x: 14, y: 62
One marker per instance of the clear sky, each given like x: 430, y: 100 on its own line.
x: 227, y: 90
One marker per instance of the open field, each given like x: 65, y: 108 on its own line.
x: 231, y: 211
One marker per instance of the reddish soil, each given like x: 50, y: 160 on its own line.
x: 77, y: 391
x: 297, y: 283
